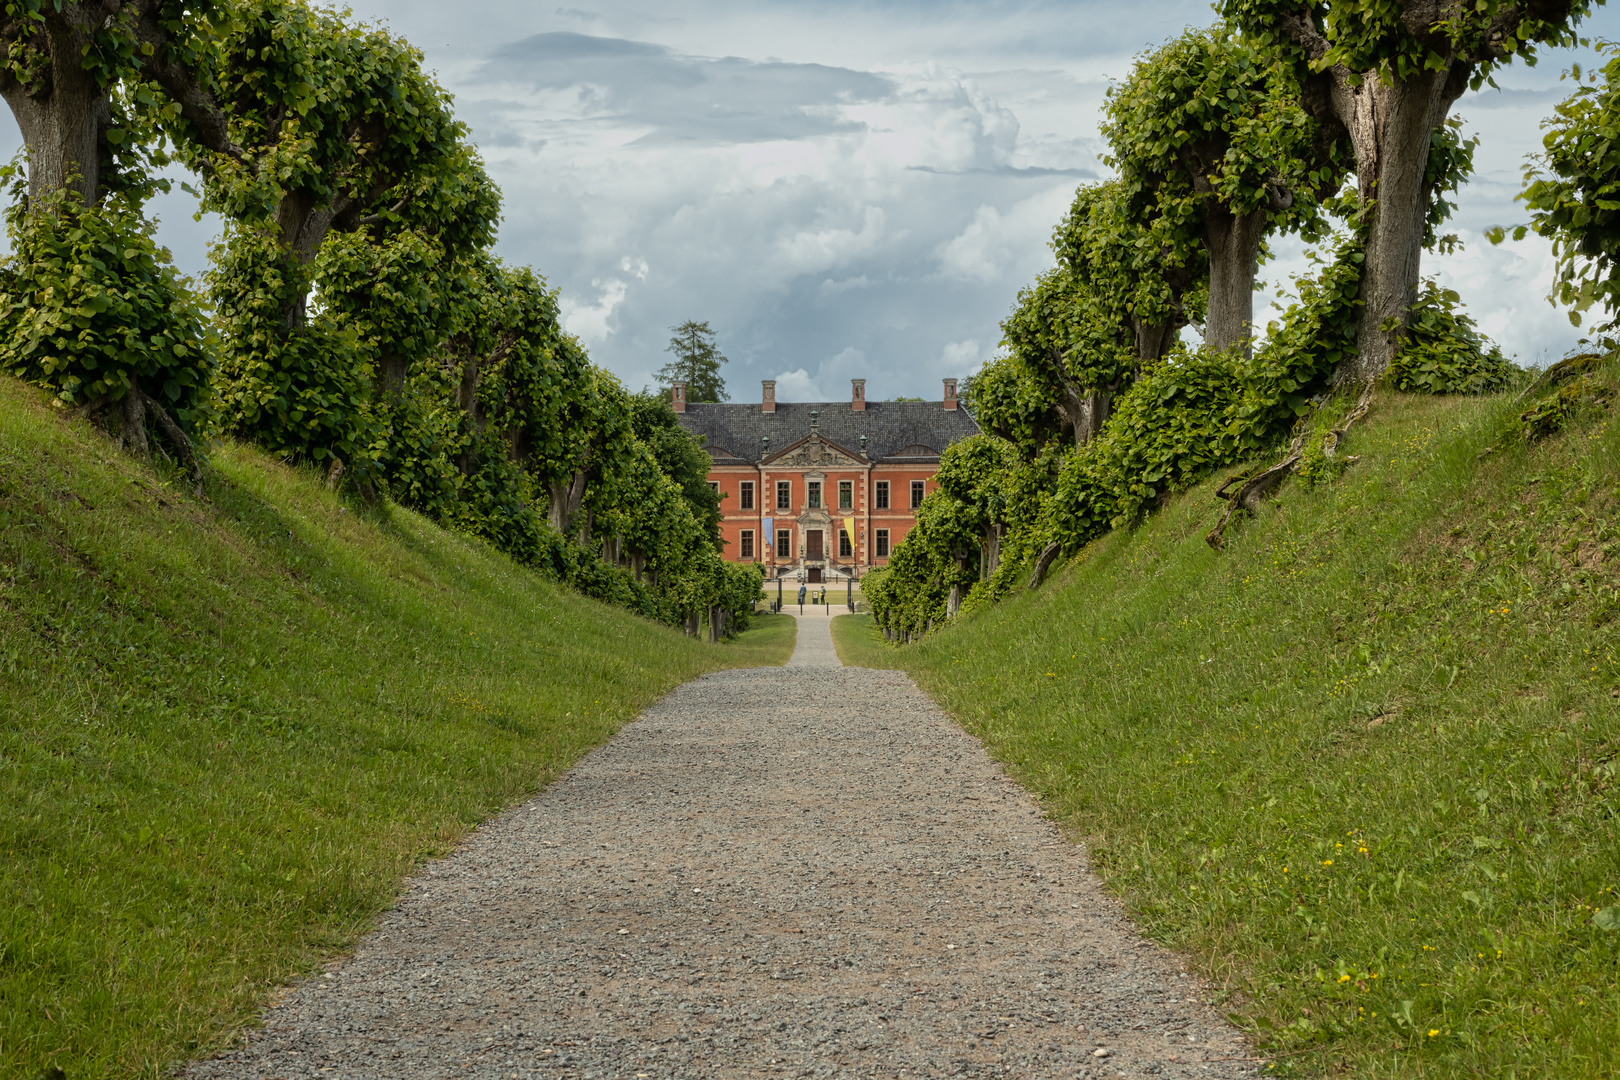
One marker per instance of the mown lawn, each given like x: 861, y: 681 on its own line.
x: 230, y: 726
x: 1361, y: 764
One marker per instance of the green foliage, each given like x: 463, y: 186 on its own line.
x: 336, y: 115
x: 92, y: 306
x: 1444, y: 352
x: 1573, y: 192
x: 232, y: 726
x: 1212, y: 116
x: 1394, y: 41
x: 1199, y: 410
x: 304, y: 390
x: 680, y: 456
x: 89, y: 66
x: 1013, y: 402
x: 1192, y: 412
x: 697, y: 363
x: 1360, y: 764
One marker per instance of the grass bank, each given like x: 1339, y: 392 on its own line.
x: 1361, y: 764
x: 230, y: 726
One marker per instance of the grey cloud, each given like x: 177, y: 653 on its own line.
x: 687, y: 98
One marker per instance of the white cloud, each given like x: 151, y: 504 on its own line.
x: 816, y: 252
x: 589, y: 322
x: 962, y: 356
x: 994, y: 243
x: 797, y: 386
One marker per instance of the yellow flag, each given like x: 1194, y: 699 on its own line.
x: 849, y: 531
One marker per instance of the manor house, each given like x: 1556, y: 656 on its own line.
x: 820, y: 491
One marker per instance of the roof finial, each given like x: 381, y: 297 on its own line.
x: 764, y: 446
x: 815, y: 419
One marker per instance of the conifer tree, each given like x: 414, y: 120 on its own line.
x: 697, y: 363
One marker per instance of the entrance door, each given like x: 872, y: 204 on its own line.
x: 812, y: 544
x: 815, y: 575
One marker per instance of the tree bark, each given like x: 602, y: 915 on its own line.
x: 1234, y: 245
x: 133, y: 435
x: 953, y: 602
x: 1153, y: 340
x: 1391, y: 128
x: 566, y: 495
x: 1084, y: 409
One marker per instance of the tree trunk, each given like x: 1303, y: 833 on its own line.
x: 64, y: 132
x: 953, y: 602
x: 1085, y: 411
x: 1153, y: 340
x: 566, y: 496
x: 1234, y: 245
x: 1094, y: 410
x: 1391, y: 127
x: 132, y: 437
x: 692, y: 623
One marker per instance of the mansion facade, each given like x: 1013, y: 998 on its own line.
x: 821, y: 491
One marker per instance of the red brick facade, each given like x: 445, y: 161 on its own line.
x: 806, y: 488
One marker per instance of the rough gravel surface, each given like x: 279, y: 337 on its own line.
x: 800, y: 871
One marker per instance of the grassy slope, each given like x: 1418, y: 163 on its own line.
x: 1361, y: 764
x: 229, y: 727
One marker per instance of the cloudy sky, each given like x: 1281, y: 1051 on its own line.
x: 846, y: 190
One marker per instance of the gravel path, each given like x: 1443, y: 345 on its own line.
x: 775, y: 872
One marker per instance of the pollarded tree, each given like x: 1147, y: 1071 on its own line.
x: 1212, y: 145
x: 1012, y: 402
x: 697, y: 363
x: 1383, y: 74
x: 64, y: 64
x: 680, y: 456
x: 973, y: 473
x: 1114, y: 301
x: 340, y: 130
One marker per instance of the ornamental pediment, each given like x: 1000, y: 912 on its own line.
x: 816, y: 453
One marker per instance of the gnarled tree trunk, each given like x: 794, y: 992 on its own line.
x: 1234, y: 245
x: 1391, y: 127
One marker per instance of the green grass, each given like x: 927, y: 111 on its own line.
x: 229, y: 727
x: 1361, y: 765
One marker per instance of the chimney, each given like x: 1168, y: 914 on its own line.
x: 767, y: 402
x: 677, y: 397
x: 857, y: 395
x: 950, y: 395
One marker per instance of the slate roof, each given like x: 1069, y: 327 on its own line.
x: 734, y: 430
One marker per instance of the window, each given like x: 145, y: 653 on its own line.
x: 784, y: 494
x: 748, y: 543
x: 747, y: 500
x: 844, y: 550
x: 812, y: 494
x: 784, y: 543
x: 882, y: 544
x: 882, y: 495
x: 714, y: 486
x: 846, y: 494
x: 916, y: 493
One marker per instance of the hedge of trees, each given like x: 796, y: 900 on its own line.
x: 355, y: 317
x: 1222, y: 139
